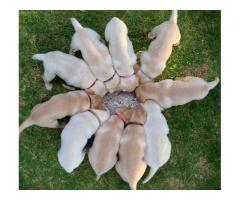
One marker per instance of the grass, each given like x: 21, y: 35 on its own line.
x: 195, y: 161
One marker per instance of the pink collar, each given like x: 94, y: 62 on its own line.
x: 129, y: 76
x: 121, y: 117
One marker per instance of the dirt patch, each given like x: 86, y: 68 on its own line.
x: 204, y: 167
x: 201, y: 72
x: 175, y: 183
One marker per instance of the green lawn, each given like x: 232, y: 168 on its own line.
x: 195, y: 162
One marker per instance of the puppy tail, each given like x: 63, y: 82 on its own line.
x: 213, y: 84
x: 133, y: 185
x: 174, y: 16
x: 25, y: 125
x: 98, y: 177
x: 76, y: 25
x: 150, y: 175
x: 39, y: 56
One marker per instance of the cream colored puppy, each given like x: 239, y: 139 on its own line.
x: 131, y: 165
x: 75, y: 135
x: 153, y: 61
x: 122, y: 52
x: 59, y: 106
x: 168, y: 93
x: 95, y: 53
x: 74, y: 71
x: 103, y: 153
x: 158, y: 146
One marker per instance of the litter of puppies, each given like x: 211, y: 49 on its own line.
x: 127, y: 138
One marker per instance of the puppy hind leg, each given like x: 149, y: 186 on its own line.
x: 48, y: 77
x: 72, y: 49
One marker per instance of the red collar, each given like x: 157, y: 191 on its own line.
x: 92, y: 84
x: 121, y: 117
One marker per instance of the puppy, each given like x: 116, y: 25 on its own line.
x: 75, y: 135
x: 153, y: 61
x: 158, y: 146
x: 123, y: 56
x: 59, y: 106
x: 95, y: 53
x: 168, y: 93
x: 131, y: 165
x: 103, y: 153
x: 73, y: 71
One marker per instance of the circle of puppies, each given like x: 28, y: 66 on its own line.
x: 134, y: 137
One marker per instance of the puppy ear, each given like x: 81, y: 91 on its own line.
x: 151, y: 35
x: 139, y: 95
x: 128, y: 114
x: 122, y: 109
x: 136, y: 68
x: 97, y: 102
x: 140, y: 114
x: 89, y: 92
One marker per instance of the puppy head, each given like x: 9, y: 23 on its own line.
x: 128, y: 84
x: 138, y: 114
x: 112, y: 85
x: 124, y: 111
x: 98, y: 88
x: 97, y: 102
x: 139, y: 91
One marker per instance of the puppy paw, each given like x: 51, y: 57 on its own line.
x: 176, y: 44
x: 151, y: 35
x: 49, y: 86
x: 72, y: 52
x: 138, y: 54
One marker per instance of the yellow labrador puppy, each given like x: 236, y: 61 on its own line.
x: 168, y: 93
x: 153, y: 61
x: 103, y: 153
x: 75, y: 135
x: 74, y: 71
x: 122, y: 52
x: 158, y: 146
x: 95, y: 53
x: 131, y: 165
x: 59, y: 106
